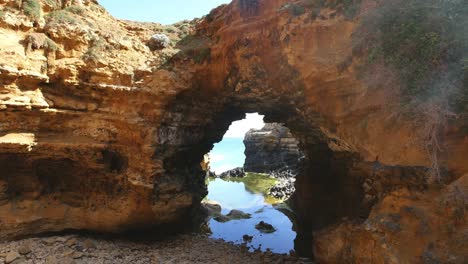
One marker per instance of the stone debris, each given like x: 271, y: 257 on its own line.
x: 193, y: 248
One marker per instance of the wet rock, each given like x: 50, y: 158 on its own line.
x: 221, y: 218
x: 283, y: 189
x: 212, y: 207
x: 234, y: 173
x: 247, y: 238
x: 237, y: 214
x: 264, y: 227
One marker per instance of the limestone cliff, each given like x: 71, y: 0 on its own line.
x: 271, y: 148
x: 100, y: 132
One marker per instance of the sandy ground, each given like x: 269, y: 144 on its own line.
x: 193, y: 248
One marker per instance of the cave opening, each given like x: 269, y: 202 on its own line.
x: 328, y: 184
x: 250, y: 178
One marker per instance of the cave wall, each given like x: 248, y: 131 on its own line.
x: 108, y: 135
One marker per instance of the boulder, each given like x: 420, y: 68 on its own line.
x: 234, y: 173
x: 264, y: 227
x: 237, y: 215
x: 159, y: 41
x: 271, y: 148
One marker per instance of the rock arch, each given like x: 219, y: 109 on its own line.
x: 132, y: 129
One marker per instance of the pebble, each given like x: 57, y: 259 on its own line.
x: 193, y: 248
x: 24, y: 250
x: 89, y: 244
x: 71, y: 242
x: 77, y: 255
x: 12, y: 256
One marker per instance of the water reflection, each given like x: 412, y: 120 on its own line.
x: 235, y: 195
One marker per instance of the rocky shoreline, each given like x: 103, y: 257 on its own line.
x: 285, y: 176
x: 76, y: 249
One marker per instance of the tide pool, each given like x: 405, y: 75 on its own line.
x: 237, y: 195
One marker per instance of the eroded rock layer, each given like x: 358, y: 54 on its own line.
x: 100, y: 132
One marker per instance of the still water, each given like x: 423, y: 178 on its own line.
x: 240, y: 194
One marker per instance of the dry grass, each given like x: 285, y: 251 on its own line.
x: 40, y: 41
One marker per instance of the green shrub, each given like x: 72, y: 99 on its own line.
x: 62, y: 17
x: 349, y: 8
x: 424, y: 41
x: 96, y: 50
x: 77, y: 10
x: 195, y: 47
x: 170, y: 29
x: 51, y: 45
x: 32, y: 9
x: 2, y: 14
x: 40, y: 41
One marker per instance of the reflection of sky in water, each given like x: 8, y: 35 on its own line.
x: 233, y: 195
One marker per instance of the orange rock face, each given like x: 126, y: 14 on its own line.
x: 98, y: 132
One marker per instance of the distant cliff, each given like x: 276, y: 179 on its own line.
x: 271, y: 148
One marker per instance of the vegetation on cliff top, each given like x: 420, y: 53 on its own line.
x: 349, y: 8
x: 424, y: 43
x: 195, y: 47
x: 69, y: 15
x: 32, y: 9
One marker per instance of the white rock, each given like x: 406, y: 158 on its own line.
x: 159, y: 41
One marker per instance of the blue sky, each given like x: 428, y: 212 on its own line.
x: 161, y: 11
x: 229, y: 153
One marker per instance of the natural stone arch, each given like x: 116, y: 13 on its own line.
x: 196, y: 120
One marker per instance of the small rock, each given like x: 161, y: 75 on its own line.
x: 212, y: 207
x: 71, y: 242
x: 61, y: 239
x: 48, y: 241
x: 68, y: 253
x: 237, y: 214
x: 12, y: 256
x: 52, y: 260
x: 247, y: 238
x: 89, y: 244
x: 77, y: 255
x: 66, y: 260
x: 24, y: 249
x: 221, y: 218
x: 265, y: 227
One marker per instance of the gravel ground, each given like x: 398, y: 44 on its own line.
x: 194, y: 248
